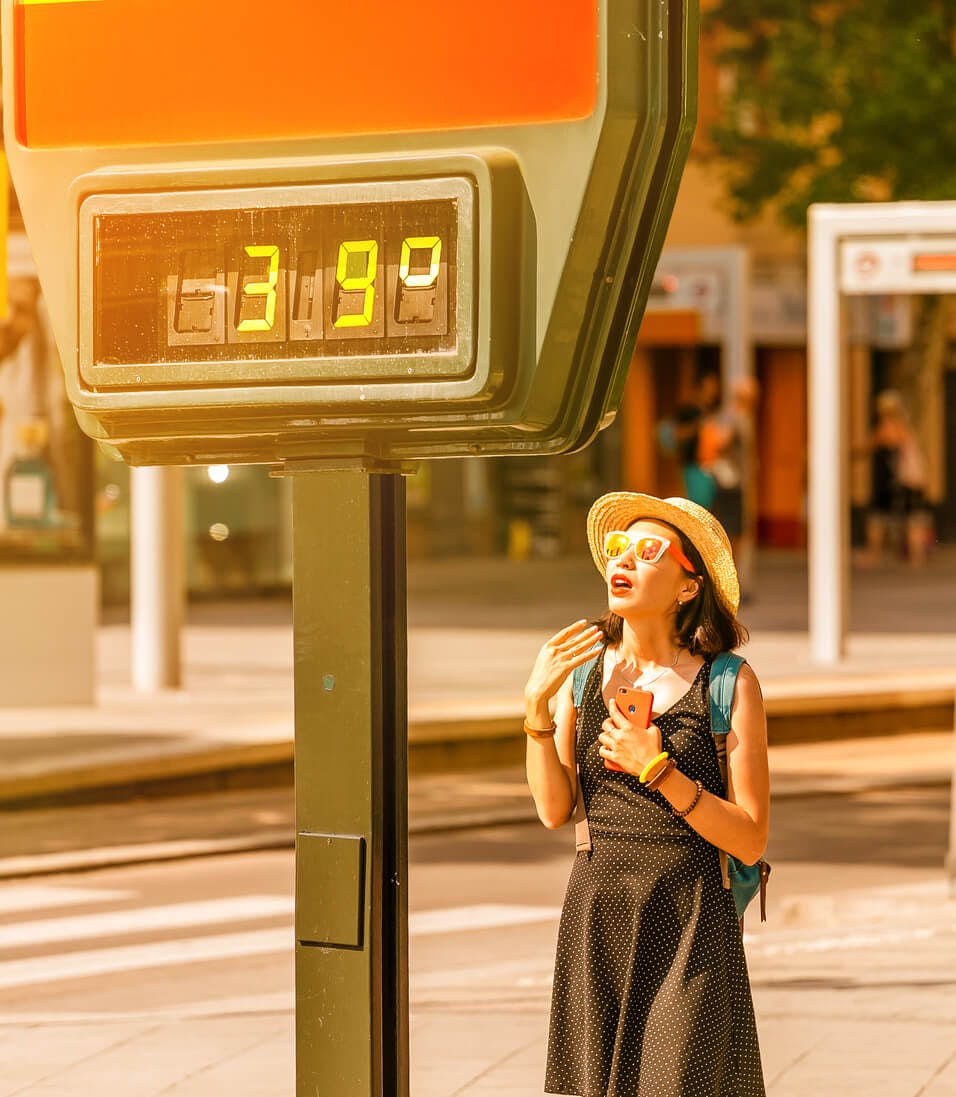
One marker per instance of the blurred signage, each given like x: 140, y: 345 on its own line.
x: 879, y: 265
x: 686, y: 288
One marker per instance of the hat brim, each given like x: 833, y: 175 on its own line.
x: 620, y: 509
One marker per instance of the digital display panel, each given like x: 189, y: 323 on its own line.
x: 361, y: 280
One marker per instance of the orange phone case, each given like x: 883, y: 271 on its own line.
x: 637, y: 705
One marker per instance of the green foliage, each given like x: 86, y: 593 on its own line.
x: 846, y: 101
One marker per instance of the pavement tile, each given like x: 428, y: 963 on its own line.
x: 266, y: 1068
x: 146, y: 1062
x: 40, y: 1055
x: 943, y: 1083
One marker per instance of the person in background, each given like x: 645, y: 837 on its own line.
x: 727, y: 452
x: 899, y: 481
x: 680, y: 437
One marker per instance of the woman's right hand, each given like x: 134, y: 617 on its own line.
x: 566, y: 650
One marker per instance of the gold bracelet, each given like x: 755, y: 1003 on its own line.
x: 540, y: 733
x: 690, y: 807
x: 662, y: 757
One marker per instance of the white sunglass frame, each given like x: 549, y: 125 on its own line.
x: 633, y: 542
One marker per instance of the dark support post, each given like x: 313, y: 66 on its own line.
x: 351, y: 784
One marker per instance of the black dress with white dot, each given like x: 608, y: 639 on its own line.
x: 651, y: 993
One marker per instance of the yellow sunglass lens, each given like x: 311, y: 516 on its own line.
x: 615, y: 544
x: 648, y: 549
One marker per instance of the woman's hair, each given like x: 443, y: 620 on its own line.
x: 705, y: 626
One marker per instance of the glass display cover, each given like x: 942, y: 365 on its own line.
x: 350, y: 288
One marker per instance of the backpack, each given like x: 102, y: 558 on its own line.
x: 743, y: 880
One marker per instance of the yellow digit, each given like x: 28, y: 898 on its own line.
x: 262, y: 289
x: 352, y: 282
x: 420, y: 243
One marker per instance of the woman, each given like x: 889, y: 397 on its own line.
x: 651, y: 994
x: 899, y: 479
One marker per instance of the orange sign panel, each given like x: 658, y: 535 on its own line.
x: 148, y: 72
x: 934, y: 261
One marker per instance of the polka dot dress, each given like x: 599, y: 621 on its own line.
x: 651, y: 994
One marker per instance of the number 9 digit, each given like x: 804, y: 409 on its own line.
x: 351, y: 283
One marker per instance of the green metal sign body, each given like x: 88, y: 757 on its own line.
x: 469, y: 289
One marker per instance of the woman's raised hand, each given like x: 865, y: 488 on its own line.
x: 566, y: 650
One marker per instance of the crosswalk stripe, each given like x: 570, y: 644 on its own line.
x: 114, y: 960
x: 482, y: 916
x: 83, y: 927
x: 18, y: 897
x: 111, y: 961
x: 839, y: 942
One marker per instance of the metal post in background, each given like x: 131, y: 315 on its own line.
x: 951, y: 851
x: 828, y: 496
x: 351, y: 783
x: 158, y: 580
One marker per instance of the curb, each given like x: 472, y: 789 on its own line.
x: 439, y: 743
x: 91, y: 860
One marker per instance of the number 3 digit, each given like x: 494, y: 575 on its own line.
x: 262, y: 289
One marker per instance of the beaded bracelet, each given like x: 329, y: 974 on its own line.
x: 662, y: 757
x: 693, y: 803
x: 540, y: 733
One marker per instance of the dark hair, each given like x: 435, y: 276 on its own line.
x: 705, y: 626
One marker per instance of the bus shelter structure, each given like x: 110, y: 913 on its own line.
x: 867, y: 248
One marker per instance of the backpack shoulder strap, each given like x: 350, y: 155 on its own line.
x: 723, y: 681
x: 579, y: 678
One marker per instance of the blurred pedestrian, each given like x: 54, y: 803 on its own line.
x: 727, y: 451
x: 651, y: 993
x: 680, y: 437
x: 898, y: 470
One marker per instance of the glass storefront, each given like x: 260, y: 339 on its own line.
x: 45, y: 461
x: 238, y: 526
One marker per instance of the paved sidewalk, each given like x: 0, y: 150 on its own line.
x: 475, y: 627
x: 854, y: 1009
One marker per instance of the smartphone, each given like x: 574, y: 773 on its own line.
x: 637, y: 705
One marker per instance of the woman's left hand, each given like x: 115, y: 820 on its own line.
x: 629, y: 747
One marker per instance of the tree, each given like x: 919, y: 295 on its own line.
x: 846, y: 101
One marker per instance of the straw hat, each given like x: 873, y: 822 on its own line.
x: 621, y: 509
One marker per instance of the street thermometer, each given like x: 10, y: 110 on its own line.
x: 286, y: 231
x: 340, y: 238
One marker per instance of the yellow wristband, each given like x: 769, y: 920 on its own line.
x: 645, y: 772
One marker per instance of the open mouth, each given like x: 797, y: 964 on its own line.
x: 620, y: 584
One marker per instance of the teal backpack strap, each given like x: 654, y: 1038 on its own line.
x: 723, y: 682
x: 579, y: 679
x: 745, y: 881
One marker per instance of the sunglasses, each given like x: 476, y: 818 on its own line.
x: 648, y: 548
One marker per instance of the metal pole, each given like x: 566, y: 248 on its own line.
x: 351, y: 784
x: 738, y: 359
x: 157, y: 577
x: 951, y: 852
x: 828, y: 527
